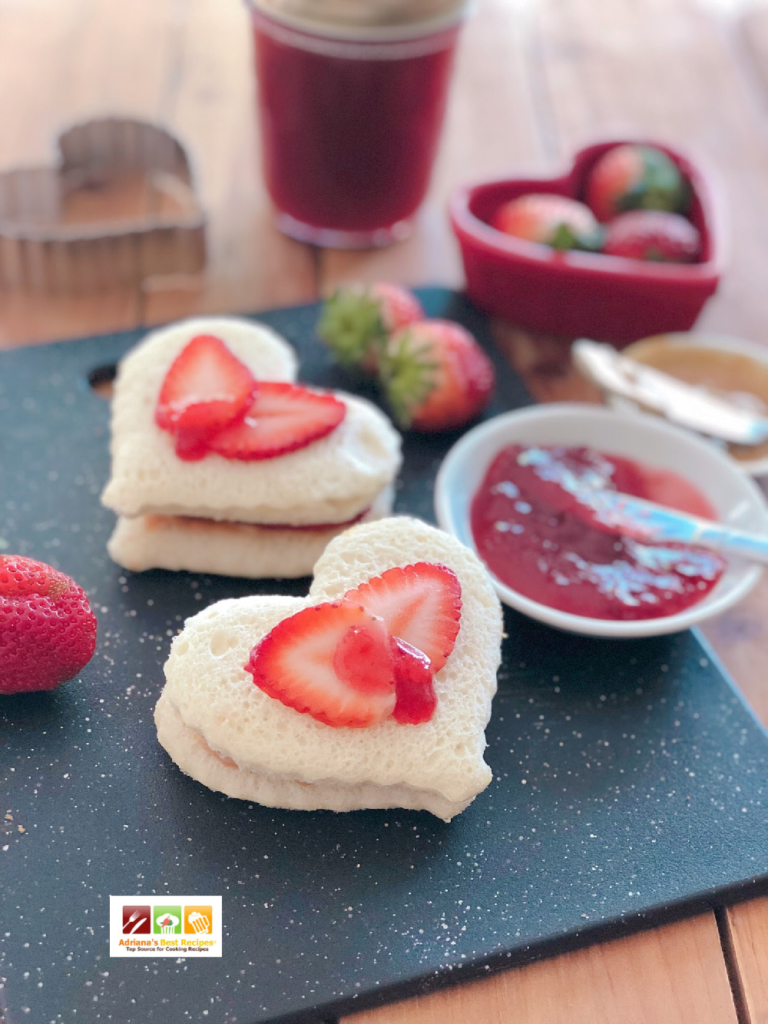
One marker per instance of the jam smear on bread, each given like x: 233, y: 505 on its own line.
x: 368, y: 657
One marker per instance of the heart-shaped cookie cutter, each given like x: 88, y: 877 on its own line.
x: 118, y: 207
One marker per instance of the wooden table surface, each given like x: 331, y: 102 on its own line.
x: 535, y: 79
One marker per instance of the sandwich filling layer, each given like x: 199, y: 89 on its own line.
x: 220, y: 772
x: 227, y: 549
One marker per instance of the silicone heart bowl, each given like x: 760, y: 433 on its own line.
x: 582, y: 293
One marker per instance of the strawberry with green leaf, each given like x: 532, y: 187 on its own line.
x: 357, y: 320
x: 632, y: 177
x: 436, y: 376
x: 653, y: 235
x: 549, y: 219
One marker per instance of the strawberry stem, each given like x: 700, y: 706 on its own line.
x: 408, y: 375
x: 351, y: 326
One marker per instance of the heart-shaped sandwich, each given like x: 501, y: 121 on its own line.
x: 221, y: 463
x: 373, y: 691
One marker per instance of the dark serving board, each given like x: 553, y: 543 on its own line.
x: 629, y: 778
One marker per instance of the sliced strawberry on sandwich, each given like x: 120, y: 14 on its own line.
x: 373, y: 654
x: 280, y: 419
x: 420, y: 604
x: 332, y: 661
x: 206, y: 389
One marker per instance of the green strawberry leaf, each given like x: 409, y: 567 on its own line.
x: 351, y: 326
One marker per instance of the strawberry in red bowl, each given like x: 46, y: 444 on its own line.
x: 633, y: 177
x: 576, y: 293
x: 549, y: 219
x: 652, y: 235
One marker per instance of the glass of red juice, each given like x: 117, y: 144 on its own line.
x: 350, y: 123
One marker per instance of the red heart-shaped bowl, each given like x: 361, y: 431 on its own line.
x: 574, y: 293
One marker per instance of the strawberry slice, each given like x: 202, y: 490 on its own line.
x: 332, y: 661
x: 420, y: 604
x: 206, y: 389
x: 281, y: 419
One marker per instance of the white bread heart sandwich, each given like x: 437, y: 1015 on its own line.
x: 372, y: 691
x: 222, y: 464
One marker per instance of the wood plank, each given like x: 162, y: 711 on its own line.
x: 212, y: 110
x: 747, y: 925
x: 752, y: 34
x: 490, y: 128
x: 26, y: 319
x: 36, y: 45
x: 672, y: 975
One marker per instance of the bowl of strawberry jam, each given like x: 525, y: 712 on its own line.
x: 498, y: 492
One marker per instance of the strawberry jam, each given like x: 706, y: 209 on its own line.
x: 536, y: 537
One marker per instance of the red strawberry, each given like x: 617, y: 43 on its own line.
x: 373, y: 654
x: 420, y: 604
x: 332, y: 661
x: 357, y: 320
x: 631, y: 177
x: 206, y: 389
x: 550, y: 220
x: 436, y: 376
x: 281, y: 419
x: 416, y: 698
x: 47, y: 628
x: 653, y: 235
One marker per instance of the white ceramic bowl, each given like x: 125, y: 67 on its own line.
x: 647, y: 439
x: 723, y: 343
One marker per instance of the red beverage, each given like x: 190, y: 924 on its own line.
x: 350, y: 126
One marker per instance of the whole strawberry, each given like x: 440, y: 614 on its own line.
x: 436, y: 376
x: 357, y: 321
x: 653, y: 235
x: 47, y: 628
x: 631, y: 177
x: 549, y: 219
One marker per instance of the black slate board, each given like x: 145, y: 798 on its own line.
x: 629, y: 779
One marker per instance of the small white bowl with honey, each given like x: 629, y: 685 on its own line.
x: 732, y: 368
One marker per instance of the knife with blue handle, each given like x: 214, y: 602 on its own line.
x: 642, y: 520
x: 651, y: 523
